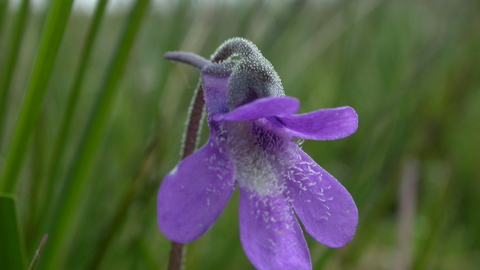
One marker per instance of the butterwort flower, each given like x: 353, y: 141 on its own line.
x: 251, y: 145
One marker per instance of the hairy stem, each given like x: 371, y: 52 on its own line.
x: 190, y: 137
x: 189, y: 145
x: 194, y: 124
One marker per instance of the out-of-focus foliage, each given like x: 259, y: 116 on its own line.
x: 411, y: 69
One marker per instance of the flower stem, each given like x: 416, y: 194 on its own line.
x: 176, y: 256
x: 194, y: 123
x: 195, y: 117
x: 190, y: 140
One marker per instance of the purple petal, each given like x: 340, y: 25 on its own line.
x: 194, y: 194
x: 263, y: 107
x: 327, y: 124
x: 270, y: 234
x: 322, y: 204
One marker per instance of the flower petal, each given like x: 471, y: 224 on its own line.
x: 270, y: 233
x: 326, y: 124
x: 195, y: 193
x: 263, y: 107
x: 322, y: 204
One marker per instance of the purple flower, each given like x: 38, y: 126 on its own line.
x: 252, y: 125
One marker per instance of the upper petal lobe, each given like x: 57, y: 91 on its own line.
x: 326, y: 124
x: 322, y: 204
x: 195, y: 193
x: 270, y: 233
x: 262, y: 107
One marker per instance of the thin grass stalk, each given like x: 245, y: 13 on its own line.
x: 37, y: 86
x: 121, y: 212
x: 12, y: 60
x: 441, y: 213
x: 37, y: 179
x: 65, y: 128
x: 407, y: 201
x: 78, y: 177
x: 38, y: 252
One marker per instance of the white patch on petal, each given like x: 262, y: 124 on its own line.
x: 257, y: 151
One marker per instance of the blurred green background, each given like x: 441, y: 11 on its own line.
x: 91, y: 118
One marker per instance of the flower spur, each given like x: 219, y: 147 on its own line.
x: 252, y: 126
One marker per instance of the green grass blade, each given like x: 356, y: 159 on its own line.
x: 78, y: 176
x: 11, y: 63
x: 11, y: 244
x: 64, y: 132
x: 3, y: 12
x: 37, y: 86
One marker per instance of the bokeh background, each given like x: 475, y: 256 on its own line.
x: 91, y: 119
